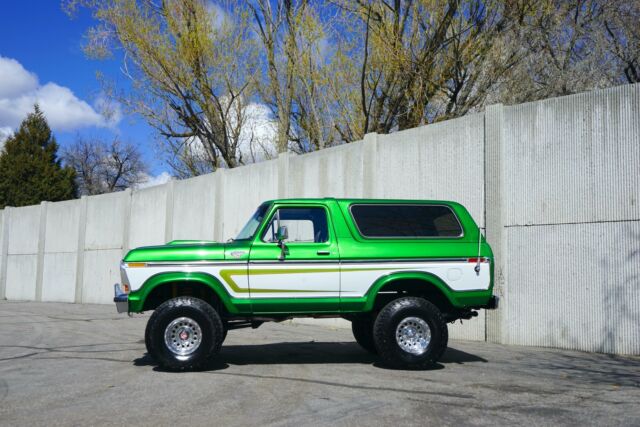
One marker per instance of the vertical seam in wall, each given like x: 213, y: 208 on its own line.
x: 82, y: 229
x: 5, y: 251
x: 42, y: 232
x: 168, y: 217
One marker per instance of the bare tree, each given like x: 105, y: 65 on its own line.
x: 571, y: 46
x: 330, y: 71
x: 278, y: 39
x: 418, y: 61
x: 104, y: 167
x: 190, y: 64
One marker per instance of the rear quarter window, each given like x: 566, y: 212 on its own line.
x: 406, y: 221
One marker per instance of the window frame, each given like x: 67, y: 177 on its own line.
x: 272, y: 214
x: 364, y: 236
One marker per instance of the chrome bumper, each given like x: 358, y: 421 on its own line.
x: 121, y: 299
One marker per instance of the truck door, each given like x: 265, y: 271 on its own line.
x: 303, y: 275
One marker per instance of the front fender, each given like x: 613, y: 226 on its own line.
x: 138, y: 297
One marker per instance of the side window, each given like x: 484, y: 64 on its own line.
x: 406, y: 221
x: 304, y: 225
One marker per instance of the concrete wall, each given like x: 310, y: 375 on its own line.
x: 553, y: 183
x: 572, y: 222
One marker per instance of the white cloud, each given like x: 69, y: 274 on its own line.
x: 20, y: 90
x: 15, y: 80
x: 152, y: 181
x: 257, y: 139
x: 259, y: 132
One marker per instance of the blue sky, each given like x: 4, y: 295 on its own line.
x: 41, y: 58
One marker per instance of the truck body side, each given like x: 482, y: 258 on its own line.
x: 345, y: 275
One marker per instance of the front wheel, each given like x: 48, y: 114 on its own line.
x: 411, y: 333
x: 184, y: 333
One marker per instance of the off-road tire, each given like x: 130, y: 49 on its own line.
x: 386, y: 325
x: 362, y: 328
x: 147, y: 336
x: 207, y: 319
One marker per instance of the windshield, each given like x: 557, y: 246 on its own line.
x: 250, y: 228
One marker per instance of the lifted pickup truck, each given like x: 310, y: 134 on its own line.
x: 399, y: 270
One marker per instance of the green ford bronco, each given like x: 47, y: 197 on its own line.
x: 399, y: 270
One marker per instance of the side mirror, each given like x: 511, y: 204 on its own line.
x: 282, y: 233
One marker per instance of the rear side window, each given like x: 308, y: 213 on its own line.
x: 406, y: 221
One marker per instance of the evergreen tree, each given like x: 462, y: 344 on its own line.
x: 30, y: 171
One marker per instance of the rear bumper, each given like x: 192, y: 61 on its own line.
x: 121, y: 299
x: 493, y: 303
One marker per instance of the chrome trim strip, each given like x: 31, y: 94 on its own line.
x: 401, y: 260
x: 362, y: 261
x: 364, y: 236
x: 301, y: 261
x: 192, y: 263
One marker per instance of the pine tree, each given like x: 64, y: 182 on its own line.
x: 30, y: 171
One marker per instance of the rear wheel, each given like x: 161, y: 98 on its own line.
x: 411, y: 333
x: 362, y: 328
x: 184, y: 333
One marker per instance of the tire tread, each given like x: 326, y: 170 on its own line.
x: 388, y: 349
x: 154, y: 326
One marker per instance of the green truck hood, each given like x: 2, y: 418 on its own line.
x: 178, y: 251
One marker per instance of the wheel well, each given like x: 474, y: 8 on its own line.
x: 166, y: 291
x: 415, y: 288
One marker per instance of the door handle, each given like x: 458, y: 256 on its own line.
x: 323, y: 252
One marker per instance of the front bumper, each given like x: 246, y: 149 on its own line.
x: 121, y: 299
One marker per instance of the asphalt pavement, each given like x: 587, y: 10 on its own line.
x: 69, y: 364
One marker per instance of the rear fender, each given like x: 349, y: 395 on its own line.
x: 428, y: 279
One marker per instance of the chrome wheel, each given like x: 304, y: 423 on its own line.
x: 413, y: 335
x: 182, y: 337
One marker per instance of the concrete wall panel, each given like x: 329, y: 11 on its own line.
x: 148, y: 215
x: 101, y: 271
x: 21, y: 277
x: 106, y: 220
x: 193, y: 208
x: 59, y: 277
x: 25, y: 227
x: 472, y: 330
x: 61, y: 233
x: 440, y: 161
x: 336, y: 172
x: 574, y: 286
x: 244, y: 189
x: 573, y: 159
